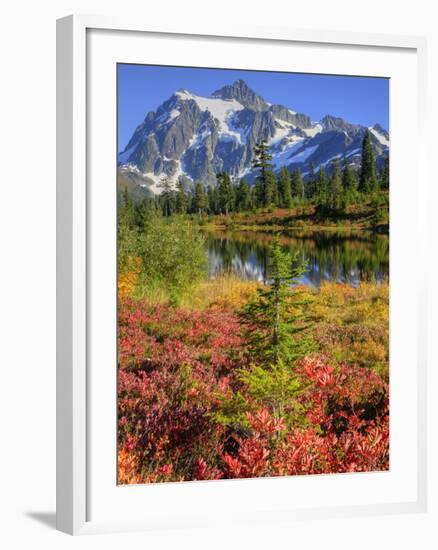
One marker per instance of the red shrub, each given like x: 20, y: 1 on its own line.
x: 174, y: 367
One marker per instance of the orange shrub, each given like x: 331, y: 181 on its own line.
x: 127, y: 280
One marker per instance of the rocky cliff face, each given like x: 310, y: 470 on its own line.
x: 190, y: 138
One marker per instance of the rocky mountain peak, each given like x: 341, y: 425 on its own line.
x: 334, y: 123
x: 381, y: 130
x: 191, y: 138
x: 241, y: 92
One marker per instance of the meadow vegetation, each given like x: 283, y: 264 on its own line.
x: 226, y: 378
x: 220, y: 377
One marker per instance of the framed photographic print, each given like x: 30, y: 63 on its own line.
x: 239, y: 222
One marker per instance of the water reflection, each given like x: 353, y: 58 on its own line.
x: 340, y: 257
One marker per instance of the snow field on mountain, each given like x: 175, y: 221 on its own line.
x: 379, y: 136
x: 220, y: 109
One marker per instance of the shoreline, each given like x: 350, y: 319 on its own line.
x: 307, y: 229
x: 305, y: 219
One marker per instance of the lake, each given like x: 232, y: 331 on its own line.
x: 341, y: 257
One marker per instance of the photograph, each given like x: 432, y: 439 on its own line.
x: 252, y: 274
x: 219, y: 298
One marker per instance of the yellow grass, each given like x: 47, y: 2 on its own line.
x: 349, y: 324
x: 352, y: 324
x: 223, y: 292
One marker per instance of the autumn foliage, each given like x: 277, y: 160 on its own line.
x: 187, y: 410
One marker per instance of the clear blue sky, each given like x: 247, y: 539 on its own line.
x: 361, y: 100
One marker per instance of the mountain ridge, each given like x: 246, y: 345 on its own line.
x: 190, y: 138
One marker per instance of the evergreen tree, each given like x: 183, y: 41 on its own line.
x: 348, y: 179
x: 254, y: 192
x: 321, y: 187
x: 243, y: 196
x: 141, y: 212
x: 258, y: 193
x: 284, y: 188
x: 182, y: 201
x: 271, y: 327
x: 384, y: 175
x: 190, y: 200
x: 270, y: 191
x: 297, y: 185
x: 167, y: 195
x: 311, y: 182
x: 334, y: 195
x: 275, y: 386
x: 368, y: 178
x: 265, y: 183
x: 225, y: 193
x: 213, y: 200
x: 126, y: 212
x: 199, y: 199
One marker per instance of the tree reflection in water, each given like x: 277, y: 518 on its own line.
x: 330, y: 256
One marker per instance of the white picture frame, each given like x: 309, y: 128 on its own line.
x: 74, y: 397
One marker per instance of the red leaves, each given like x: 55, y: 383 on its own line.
x: 264, y: 423
x: 251, y: 460
x: 156, y: 336
x: 203, y: 471
x: 174, y: 368
x: 233, y: 465
x: 304, y: 452
x: 316, y: 370
x: 165, y: 470
x: 348, y: 432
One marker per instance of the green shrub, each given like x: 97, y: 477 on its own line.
x: 172, y: 256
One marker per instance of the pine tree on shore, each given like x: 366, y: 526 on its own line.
x: 182, y: 201
x: 368, y: 178
x: 310, y: 189
x: 225, y: 193
x: 321, y: 186
x: 284, y: 188
x: 243, y: 196
x: 270, y: 195
x: 384, y: 175
x: 199, y: 199
x: 213, y: 200
x: 167, y: 195
x: 335, y: 194
x: 266, y: 186
x: 297, y: 185
x: 348, y: 179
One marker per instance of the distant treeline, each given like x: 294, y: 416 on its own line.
x: 330, y: 190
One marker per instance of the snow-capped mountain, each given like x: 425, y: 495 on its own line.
x: 191, y: 138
